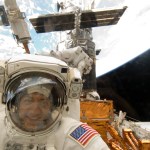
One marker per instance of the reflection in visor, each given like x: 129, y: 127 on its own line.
x: 36, y: 105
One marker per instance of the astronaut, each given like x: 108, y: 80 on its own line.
x: 80, y: 38
x: 36, y: 92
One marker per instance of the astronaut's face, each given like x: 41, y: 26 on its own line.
x: 34, y: 110
x: 35, y: 102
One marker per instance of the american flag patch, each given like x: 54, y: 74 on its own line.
x: 83, y: 134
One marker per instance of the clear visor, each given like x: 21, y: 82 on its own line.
x: 35, y: 101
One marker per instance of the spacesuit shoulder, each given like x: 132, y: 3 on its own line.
x: 81, y: 136
x: 75, y: 135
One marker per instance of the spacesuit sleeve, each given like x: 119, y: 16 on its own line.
x: 83, y: 137
x: 97, y: 143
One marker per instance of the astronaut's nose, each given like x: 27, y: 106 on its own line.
x: 35, y: 110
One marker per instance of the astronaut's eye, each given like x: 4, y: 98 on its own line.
x: 44, y: 102
x: 26, y: 100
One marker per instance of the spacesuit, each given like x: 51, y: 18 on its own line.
x: 36, y: 90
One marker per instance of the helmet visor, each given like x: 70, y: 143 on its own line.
x: 35, y: 101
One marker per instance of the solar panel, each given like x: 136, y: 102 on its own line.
x: 66, y: 21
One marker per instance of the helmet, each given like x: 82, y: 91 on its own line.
x: 35, y: 101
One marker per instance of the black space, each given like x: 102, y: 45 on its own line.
x: 129, y: 87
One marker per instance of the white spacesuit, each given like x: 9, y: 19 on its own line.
x: 36, y: 91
